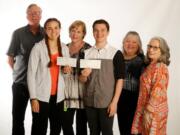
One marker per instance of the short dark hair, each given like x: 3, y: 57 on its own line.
x: 101, y: 21
x: 32, y: 5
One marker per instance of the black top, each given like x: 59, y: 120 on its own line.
x: 119, y: 66
x: 133, y: 70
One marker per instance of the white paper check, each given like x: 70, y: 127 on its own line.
x: 65, y: 61
x: 94, y: 64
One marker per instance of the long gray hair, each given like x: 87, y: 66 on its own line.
x: 165, y: 51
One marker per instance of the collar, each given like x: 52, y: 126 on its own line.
x: 104, y: 48
x: 41, y: 30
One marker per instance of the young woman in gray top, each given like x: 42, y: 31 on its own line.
x: 46, y: 82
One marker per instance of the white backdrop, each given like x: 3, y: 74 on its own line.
x: 149, y: 18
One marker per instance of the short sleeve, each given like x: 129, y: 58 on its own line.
x: 14, y: 45
x: 119, y: 66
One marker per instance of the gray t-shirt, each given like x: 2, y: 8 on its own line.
x: 20, y: 47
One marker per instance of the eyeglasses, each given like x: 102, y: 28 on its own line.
x: 155, y: 48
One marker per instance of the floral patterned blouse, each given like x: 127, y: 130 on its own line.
x: 152, y: 108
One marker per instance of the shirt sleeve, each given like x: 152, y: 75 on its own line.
x: 119, y: 66
x: 32, y: 70
x: 14, y: 45
x: 158, y: 95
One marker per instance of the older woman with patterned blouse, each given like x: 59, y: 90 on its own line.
x: 152, y: 109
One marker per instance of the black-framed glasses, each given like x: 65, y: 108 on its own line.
x: 155, y: 48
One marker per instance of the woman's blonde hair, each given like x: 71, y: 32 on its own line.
x: 76, y: 24
x: 134, y: 33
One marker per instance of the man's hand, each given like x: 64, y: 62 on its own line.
x: 86, y: 72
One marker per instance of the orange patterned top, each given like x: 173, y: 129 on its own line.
x: 152, y: 109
